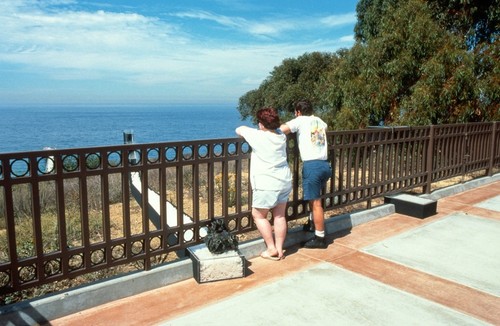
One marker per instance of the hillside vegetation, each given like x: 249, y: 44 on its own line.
x: 413, y: 63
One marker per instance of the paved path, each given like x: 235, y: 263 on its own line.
x: 396, y: 270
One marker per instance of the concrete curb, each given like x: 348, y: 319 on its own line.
x: 452, y: 190
x: 68, y: 302
x: 88, y: 296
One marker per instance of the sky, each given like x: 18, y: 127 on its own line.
x: 115, y: 52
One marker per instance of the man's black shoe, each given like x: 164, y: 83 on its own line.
x: 308, y: 227
x: 316, y: 243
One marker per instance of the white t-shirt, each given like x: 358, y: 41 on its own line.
x: 269, y: 168
x: 311, y: 135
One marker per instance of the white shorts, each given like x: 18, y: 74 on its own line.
x: 269, y: 198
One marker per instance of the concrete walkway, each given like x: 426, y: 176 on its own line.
x: 395, y: 270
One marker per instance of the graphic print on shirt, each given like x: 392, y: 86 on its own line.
x: 318, y: 134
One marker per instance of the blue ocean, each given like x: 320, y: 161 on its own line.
x: 33, y: 128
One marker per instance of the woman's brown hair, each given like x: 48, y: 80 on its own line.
x: 269, y: 118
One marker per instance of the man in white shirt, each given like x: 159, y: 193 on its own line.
x: 316, y: 170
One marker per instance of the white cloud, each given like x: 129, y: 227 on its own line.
x: 339, y: 20
x: 134, y: 49
x: 271, y: 27
x: 347, y: 39
x: 220, y: 19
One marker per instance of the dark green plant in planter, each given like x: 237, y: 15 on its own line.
x: 219, y: 239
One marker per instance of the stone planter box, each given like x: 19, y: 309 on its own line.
x: 208, y: 267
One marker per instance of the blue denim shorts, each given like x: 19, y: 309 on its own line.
x: 315, y: 174
x: 269, y: 198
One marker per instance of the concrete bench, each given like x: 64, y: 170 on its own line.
x: 412, y: 205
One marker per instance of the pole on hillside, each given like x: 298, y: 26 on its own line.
x: 128, y: 138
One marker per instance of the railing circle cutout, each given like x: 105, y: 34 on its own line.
x: 19, y: 167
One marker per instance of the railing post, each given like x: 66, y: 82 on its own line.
x: 492, y: 148
x: 295, y: 171
x: 465, y: 151
x: 429, y: 160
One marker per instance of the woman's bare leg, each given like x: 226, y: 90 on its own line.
x: 280, y: 227
x: 265, y: 229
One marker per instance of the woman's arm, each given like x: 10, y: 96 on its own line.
x: 240, y: 130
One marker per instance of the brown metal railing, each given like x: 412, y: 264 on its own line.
x: 70, y: 212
